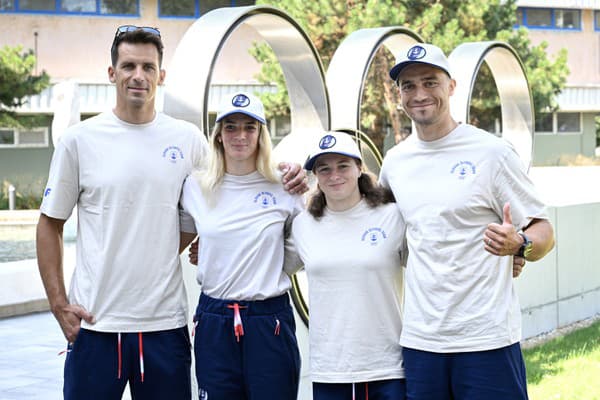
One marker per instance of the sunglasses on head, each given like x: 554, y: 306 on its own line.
x: 131, y: 28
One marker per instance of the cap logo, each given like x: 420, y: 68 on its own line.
x: 327, y: 142
x: 416, y: 53
x: 240, y: 100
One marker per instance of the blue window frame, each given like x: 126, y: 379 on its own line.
x: 549, y: 18
x: 70, y: 7
x: 597, y: 20
x: 195, y: 8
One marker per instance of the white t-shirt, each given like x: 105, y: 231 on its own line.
x: 125, y: 180
x: 241, y: 251
x: 353, y: 264
x: 458, y: 297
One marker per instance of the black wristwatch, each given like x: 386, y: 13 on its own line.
x: 526, y: 247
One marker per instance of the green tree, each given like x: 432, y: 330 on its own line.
x: 17, y: 82
x: 446, y: 23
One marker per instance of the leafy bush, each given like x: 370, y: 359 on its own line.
x: 24, y: 200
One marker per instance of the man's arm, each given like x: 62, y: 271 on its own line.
x: 541, y: 234
x: 294, y: 178
x: 185, y: 238
x: 49, y: 245
x: 503, y: 240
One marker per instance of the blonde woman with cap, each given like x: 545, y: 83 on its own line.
x: 244, y: 342
x: 350, y: 241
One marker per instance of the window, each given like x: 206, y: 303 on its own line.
x: 35, y: 137
x: 597, y: 20
x: 568, y: 122
x: 196, y: 8
x: 539, y: 18
x: 560, y: 122
x: 78, y: 5
x: 37, y: 5
x: 549, y: 18
x: 7, y: 137
x: 543, y: 122
x: 85, y: 7
x: 181, y: 8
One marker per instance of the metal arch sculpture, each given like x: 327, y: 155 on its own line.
x: 350, y: 64
x: 187, y: 92
x: 513, y: 88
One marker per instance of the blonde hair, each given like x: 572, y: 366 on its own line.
x: 210, y: 176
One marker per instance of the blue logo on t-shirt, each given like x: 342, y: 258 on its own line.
x: 373, y: 236
x: 265, y: 199
x: 463, y: 169
x: 172, y: 153
x: 47, y: 192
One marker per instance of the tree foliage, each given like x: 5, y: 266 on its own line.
x: 17, y: 82
x: 445, y: 23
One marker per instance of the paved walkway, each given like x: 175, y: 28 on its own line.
x: 30, y: 367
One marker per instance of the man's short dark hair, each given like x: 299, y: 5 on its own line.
x: 136, y: 36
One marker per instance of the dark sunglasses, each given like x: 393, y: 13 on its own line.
x: 131, y: 28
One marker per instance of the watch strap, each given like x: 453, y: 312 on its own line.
x: 525, y: 246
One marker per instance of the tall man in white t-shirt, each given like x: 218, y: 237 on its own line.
x: 126, y: 314
x: 460, y: 189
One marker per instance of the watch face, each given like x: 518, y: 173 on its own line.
x: 528, y: 249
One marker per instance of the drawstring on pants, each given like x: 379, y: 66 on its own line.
x: 120, y: 355
x: 238, y: 327
x: 277, y: 327
x: 366, y: 391
x: 140, y: 341
x: 194, y: 329
x: 120, y: 362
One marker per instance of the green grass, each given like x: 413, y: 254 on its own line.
x: 566, y: 368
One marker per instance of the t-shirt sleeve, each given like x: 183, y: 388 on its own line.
x: 383, y: 181
x: 291, y: 260
x: 62, y: 189
x: 513, y: 185
x: 186, y: 221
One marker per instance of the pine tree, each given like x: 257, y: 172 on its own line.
x: 17, y: 82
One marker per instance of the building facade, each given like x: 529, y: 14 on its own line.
x: 573, y: 25
x: 71, y: 40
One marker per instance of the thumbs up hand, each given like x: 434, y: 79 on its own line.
x: 502, y: 239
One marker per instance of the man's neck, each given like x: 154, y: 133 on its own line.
x: 135, y: 115
x: 429, y: 133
